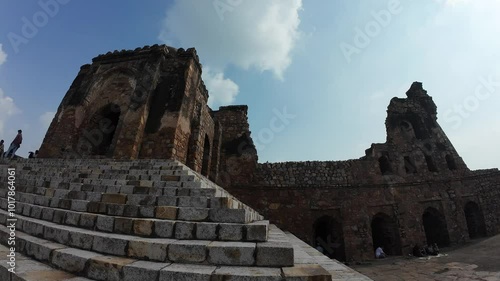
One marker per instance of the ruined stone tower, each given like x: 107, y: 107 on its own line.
x: 146, y: 103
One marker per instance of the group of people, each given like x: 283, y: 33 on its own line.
x: 14, y: 146
x: 418, y: 251
x: 429, y: 250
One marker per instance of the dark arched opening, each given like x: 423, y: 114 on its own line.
x: 385, y: 165
x: 475, y: 220
x: 435, y: 227
x: 100, y: 130
x: 451, y: 162
x: 385, y: 234
x: 205, y: 167
x: 329, y: 236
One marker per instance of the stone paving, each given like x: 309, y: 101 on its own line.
x: 479, y: 260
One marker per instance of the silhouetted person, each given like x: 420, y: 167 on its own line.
x: 379, y: 253
x: 14, y: 146
x: 418, y: 251
x: 31, y: 154
x: 435, y: 248
x: 1, y: 148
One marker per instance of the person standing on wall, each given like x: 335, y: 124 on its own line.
x: 1, y: 148
x: 14, y: 146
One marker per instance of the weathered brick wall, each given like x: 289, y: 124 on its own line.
x: 296, y: 208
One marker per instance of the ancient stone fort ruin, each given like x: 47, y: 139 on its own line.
x: 134, y: 149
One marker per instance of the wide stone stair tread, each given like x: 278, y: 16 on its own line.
x: 109, y: 267
x: 146, y: 227
x: 180, y: 213
x: 161, y: 249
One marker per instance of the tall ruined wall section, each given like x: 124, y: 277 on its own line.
x: 238, y: 155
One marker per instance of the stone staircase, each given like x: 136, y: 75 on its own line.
x: 102, y: 219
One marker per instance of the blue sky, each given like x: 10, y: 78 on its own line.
x: 317, y: 76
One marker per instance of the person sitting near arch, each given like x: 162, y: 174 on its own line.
x: 418, y: 251
x: 379, y: 253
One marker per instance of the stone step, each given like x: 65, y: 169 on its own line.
x: 27, y: 269
x: 220, y: 214
x: 108, y: 267
x: 146, y: 227
x: 220, y: 209
x: 267, y: 254
x: 101, y: 165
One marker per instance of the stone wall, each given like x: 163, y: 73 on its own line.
x: 412, y: 189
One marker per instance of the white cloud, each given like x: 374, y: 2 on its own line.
x: 222, y: 90
x: 46, y: 119
x: 257, y: 34
x: 3, y: 55
x: 7, y: 109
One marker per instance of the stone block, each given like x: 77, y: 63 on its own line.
x: 59, y: 234
x: 188, y: 251
x: 164, y: 228
x: 187, y: 272
x: 164, y: 212
x: 88, y: 220
x: 130, y: 211
x: 141, y: 199
x: 123, y: 225
x: 193, y: 214
x: 227, y: 215
x: 115, y: 210
x: 110, y: 245
x: 143, y: 271
x: 81, y: 240
x: 230, y: 232
x: 143, y: 227
x: 79, y: 205
x: 107, y: 268
x: 206, y: 231
x: 48, y: 214
x: 72, y: 260
x: 105, y: 223
x: 96, y: 207
x: 72, y: 218
x: 147, y: 211
x: 185, y: 230
x: 257, y: 231
x: 167, y: 201
x: 231, y: 253
x: 152, y: 249
x: 274, y: 254
x: 114, y: 198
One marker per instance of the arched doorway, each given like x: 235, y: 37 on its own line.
x: 100, y: 130
x: 385, y: 233
x: 329, y: 236
x: 206, y: 157
x: 435, y: 227
x: 475, y: 220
